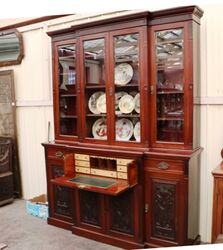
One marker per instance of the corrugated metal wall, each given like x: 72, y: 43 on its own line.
x: 34, y: 104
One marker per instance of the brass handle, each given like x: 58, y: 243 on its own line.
x: 59, y: 154
x: 151, y: 90
x: 146, y: 208
x: 163, y: 165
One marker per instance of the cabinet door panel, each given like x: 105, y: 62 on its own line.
x: 94, y: 83
x: 166, y: 208
x: 128, y: 83
x: 65, y: 94
x: 90, y: 208
x: 172, y: 84
x: 122, y: 213
x: 61, y: 203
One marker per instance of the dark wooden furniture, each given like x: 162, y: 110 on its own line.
x: 217, y: 218
x: 6, y: 175
x: 123, y: 89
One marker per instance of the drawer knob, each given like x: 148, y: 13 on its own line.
x: 163, y: 165
x: 59, y: 154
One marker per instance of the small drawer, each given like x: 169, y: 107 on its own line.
x: 82, y: 163
x: 82, y: 170
x: 105, y: 173
x: 123, y: 162
x: 122, y: 169
x: 81, y: 157
x: 122, y: 176
x: 165, y: 165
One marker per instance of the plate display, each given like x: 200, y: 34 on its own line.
x: 137, y: 103
x: 136, y: 131
x: 124, y: 129
x: 123, y: 74
x: 101, y: 103
x: 99, y: 129
x: 92, y: 102
x: 126, y: 104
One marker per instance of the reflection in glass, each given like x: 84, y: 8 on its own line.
x: 126, y: 81
x: 95, y: 85
x: 67, y: 89
x: 170, y: 86
x: 94, y: 61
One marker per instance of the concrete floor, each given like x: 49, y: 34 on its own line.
x: 21, y: 231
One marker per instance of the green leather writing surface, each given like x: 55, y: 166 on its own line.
x: 93, y: 181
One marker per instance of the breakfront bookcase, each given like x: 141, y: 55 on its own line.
x: 125, y: 127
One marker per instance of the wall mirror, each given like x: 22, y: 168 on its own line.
x: 11, y: 47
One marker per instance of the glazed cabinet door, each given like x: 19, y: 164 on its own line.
x: 128, y: 85
x: 65, y: 90
x: 94, y: 85
x: 171, y: 85
x: 165, y: 208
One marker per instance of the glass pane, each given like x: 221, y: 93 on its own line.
x: 96, y: 110
x: 127, y: 94
x: 67, y: 89
x: 170, y: 86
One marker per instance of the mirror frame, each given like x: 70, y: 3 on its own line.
x: 21, y: 49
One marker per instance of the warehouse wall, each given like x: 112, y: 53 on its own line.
x: 33, y: 89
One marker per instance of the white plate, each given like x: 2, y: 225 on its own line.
x: 126, y: 104
x: 99, y: 129
x: 123, y: 73
x: 92, y: 102
x: 136, y: 131
x: 118, y: 96
x: 137, y: 103
x: 101, y: 103
x: 124, y: 129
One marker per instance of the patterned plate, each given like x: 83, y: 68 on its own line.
x: 99, y: 129
x: 124, y: 129
x: 123, y: 74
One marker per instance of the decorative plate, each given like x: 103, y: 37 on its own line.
x: 124, y: 129
x: 118, y: 96
x: 99, y: 129
x: 92, y: 102
x: 101, y: 103
x: 137, y: 103
x: 123, y: 73
x: 136, y: 131
x: 126, y: 104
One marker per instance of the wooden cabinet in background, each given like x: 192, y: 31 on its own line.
x: 217, y: 215
x: 125, y: 127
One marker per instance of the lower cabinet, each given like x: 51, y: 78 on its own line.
x: 109, y: 219
x: 165, y: 204
x: 151, y: 213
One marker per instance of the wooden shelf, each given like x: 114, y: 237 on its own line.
x: 167, y: 92
x: 68, y: 117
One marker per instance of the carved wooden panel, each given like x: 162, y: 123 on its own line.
x: 6, y: 188
x: 164, y: 209
x: 121, y: 210
x: 5, y: 155
x: 62, y: 200
x: 57, y: 171
x: 90, y: 207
